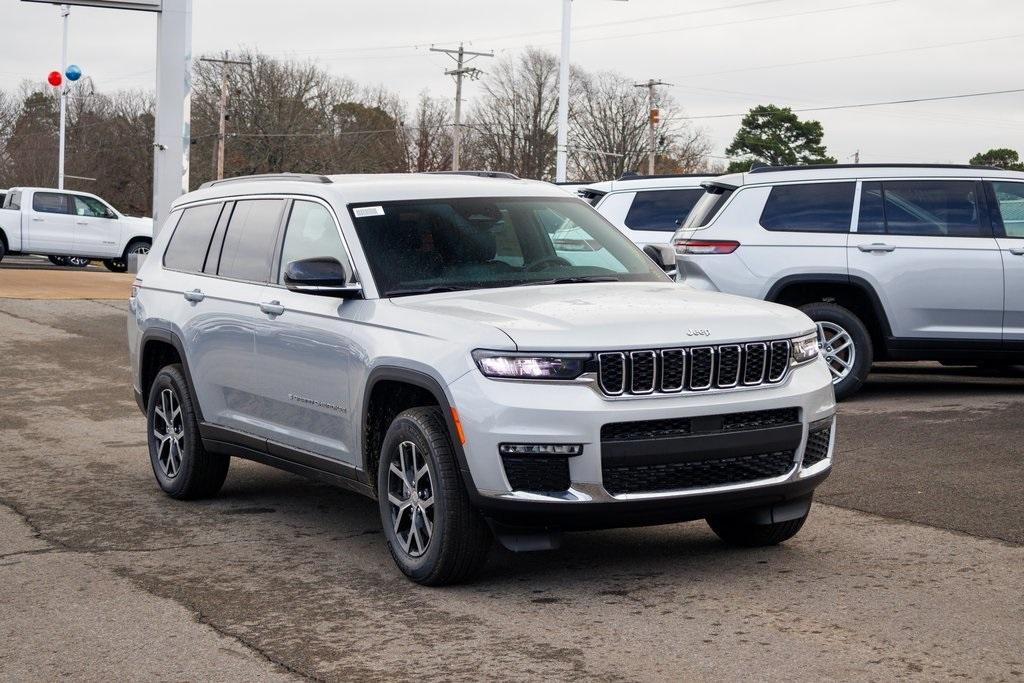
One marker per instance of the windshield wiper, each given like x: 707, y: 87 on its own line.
x: 428, y: 290
x: 579, y: 278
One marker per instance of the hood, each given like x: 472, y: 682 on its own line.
x: 142, y: 225
x: 615, y: 316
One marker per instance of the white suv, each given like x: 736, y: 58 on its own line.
x: 893, y: 262
x: 444, y: 344
x: 647, y: 209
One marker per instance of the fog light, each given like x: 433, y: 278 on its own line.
x: 540, y: 449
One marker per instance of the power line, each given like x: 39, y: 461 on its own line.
x: 869, y: 104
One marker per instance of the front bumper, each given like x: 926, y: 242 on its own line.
x: 496, y: 412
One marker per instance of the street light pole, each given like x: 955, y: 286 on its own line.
x: 562, y: 145
x: 65, y: 11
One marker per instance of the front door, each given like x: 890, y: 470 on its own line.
x: 303, y: 346
x: 1008, y: 198
x: 927, y: 249
x: 97, y: 229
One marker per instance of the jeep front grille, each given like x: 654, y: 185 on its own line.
x: 696, y: 368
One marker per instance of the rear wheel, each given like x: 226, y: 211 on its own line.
x: 120, y: 265
x: 77, y: 261
x: 749, y: 535
x: 844, y: 343
x: 434, y: 534
x: 183, y: 468
x: 58, y: 260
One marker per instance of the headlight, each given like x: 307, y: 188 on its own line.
x: 505, y: 365
x: 805, y: 348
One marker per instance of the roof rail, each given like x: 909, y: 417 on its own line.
x: 805, y: 167
x: 481, y: 174
x: 300, y: 177
x: 636, y: 176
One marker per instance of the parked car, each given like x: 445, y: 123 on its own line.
x: 647, y: 209
x: 893, y: 262
x: 431, y: 342
x: 61, y: 223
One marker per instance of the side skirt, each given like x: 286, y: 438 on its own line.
x: 225, y: 441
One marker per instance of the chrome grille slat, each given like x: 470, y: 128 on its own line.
x: 699, y: 368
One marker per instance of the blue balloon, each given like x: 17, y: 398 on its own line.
x: 73, y: 73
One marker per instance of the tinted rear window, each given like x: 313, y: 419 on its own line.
x: 707, y: 206
x: 811, y: 207
x: 250, y: 240
x: 191, y: 239
x: 662, y: 210
x: 49, y: 202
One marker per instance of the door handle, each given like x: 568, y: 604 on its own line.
x: 272, y: 307
x: 82, y: 222
x: 876, y: 246
x: 37, y: 220
x: 1017, y: 251
x: 195, y: 296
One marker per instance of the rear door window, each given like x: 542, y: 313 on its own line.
x: 661, y: 210
x: 248, y: 249
x: 923, y: 208
x: 809, y: 207
x: 190, y: 242
x: 50, y: 202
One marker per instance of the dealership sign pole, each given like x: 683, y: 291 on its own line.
x: 173, y: 93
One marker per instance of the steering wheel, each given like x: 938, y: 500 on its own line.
x: 556, y: 260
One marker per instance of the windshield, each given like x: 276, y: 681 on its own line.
x: 706, y: 207
x: 415, y: 247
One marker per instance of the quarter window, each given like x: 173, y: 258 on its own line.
x: 191, y: 239
x: 49, y: 202
x: 1010, y: 197
x: 661, y: 210
x: 249, y: 242
x: 810, y: 207
x: 707, y: 206
x: 311, y: 233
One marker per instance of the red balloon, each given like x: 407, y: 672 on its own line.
x: 54, y: 78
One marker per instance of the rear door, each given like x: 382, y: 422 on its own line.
x: 926, y: 247
x: 1007, y: 200
x: 51, y: 227
x: 97, y: 229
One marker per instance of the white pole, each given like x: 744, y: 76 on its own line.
x: 173, y: 97
x: 64, y: 12
x: 561, y: 158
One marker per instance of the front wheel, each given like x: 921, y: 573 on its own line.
x: 58, y: 260
x: 434, y: 534
x: 749, y: 535
x: 845, y: 344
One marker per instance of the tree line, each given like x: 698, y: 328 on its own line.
x: 287, y: 115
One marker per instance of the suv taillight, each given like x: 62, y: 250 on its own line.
x: 685, y: 246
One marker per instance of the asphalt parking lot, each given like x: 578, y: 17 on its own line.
x: 911, y: 565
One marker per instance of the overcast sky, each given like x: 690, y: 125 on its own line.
x: 722, y: 56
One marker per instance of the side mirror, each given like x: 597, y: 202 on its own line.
x: 324, y: 275
x: 664, y: 255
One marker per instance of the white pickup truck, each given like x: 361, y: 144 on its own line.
x: 57, y: 223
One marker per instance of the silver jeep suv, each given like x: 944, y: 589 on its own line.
x: 893, y: 262
x: 486, y: 358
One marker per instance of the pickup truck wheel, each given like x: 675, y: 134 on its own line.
x: 183, y: 468
x: 844, y: 343
x: 58, y: 260
x: 120, y: 265
x: 749, y: 535
x: 433, y: 533
x: 3, y: 250
x: 77, y: 261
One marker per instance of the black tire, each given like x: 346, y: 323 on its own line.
x: 120, y: 265
x: 747, y: 535
x: 459, y: 539
x: 834, y: 314
x: 58, y: 260
x: 77, y: 261
x: 3, y: 250
x: 197, y: 473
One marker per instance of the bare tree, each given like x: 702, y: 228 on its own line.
x: 429, y: 137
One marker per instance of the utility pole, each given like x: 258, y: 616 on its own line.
x: 653, y: 117
x: 562, y: 137
x: 459, y: 72
x: 223, y: 107
x: 65, y: 12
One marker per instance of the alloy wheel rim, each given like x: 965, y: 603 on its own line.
x: 411, y: 499
x: 836, y: 346
x: 141, y: 249
x: 169, y: 431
